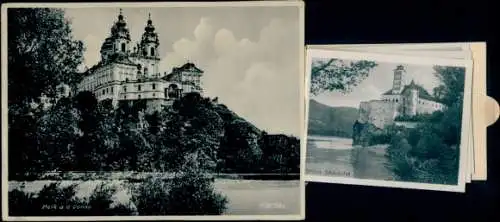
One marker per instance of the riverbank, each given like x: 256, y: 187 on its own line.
x: 140, y: 176
x: 370, y: 162
x: 245, y: 197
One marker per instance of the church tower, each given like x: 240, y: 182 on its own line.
x: 397, y: 84
x: 118, y: 42
x: 412, y: 99
x: 148, y: 50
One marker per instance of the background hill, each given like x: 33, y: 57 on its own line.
x: 331, y: 121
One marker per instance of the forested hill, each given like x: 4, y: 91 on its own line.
x: 331, y: 121
x: 80, y: 134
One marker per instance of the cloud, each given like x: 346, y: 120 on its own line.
x: 92, y: 56
x: 186, y: 49
x: 259, y: 79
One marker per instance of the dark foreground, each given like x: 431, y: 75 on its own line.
x: 245, y: 197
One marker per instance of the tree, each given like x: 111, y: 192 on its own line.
x: 452, y: 84
x: 239, y: 149
x: 41, y: 53
x: 57, y: 131
x: 338, y: 75
x: 201, y: 129
x: 99, y: 138
x: 23, y: 142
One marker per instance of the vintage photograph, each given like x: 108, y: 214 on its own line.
x: 164, y: 110
x: 387, y: 120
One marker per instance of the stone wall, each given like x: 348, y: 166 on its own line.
x: 377, y: 112
x: 154, y: 105
x: 373, y: 117
x: 428, y: 106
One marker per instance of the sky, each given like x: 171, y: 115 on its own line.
x: 379, y: 80
x: 250, y: 55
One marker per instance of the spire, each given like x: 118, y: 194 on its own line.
x: 119, y: 29
x: 120, y: 16
x: 149, y: 27
x: 149, y: 39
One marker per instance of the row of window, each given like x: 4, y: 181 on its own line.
x: 93, y: 81
x: 138, y: 96
x: 105, y: 91
x: 153, y: 86
x: 391, y: 100
x: 435, y: 105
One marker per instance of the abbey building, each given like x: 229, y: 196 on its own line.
x: 130, y: 72
x: 400, y: 101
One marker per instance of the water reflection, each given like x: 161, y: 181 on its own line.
x: 334, y: 156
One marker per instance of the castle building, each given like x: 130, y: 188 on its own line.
x: 401, y: 100
x: 130, y: 72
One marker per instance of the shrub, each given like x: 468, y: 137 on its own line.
x: 19, y: 202
x: 60, y: 201
x: 187, y: 194
x: 101, y: 200
x: 54, y: 200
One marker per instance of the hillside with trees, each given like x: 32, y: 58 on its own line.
x: 331, y: 121
x: 81, y: 134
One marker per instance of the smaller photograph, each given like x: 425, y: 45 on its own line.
x: 387, y: 120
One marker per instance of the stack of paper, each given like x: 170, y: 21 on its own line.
x: 419, y: 114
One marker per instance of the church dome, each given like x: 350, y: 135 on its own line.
x: 149, y: 35
x: 120, y: 29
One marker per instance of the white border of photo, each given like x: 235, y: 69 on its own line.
x: 442, y: 46
x: 301, y: 54
x: 314, y: 52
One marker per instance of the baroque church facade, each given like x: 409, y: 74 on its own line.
x: 402, y: 100
x: 130, y: 72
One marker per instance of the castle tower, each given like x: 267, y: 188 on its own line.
x: 148, y: 50
x: 412, y: 100
x: 119, y: 40
x: 397, y: 84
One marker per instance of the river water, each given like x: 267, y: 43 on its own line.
x: 245, y: 197
x: 335, y: 156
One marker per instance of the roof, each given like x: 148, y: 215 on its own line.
x: 422, y: 92
x: 189, y: 66
x: 169, y: 77
x: 176, y: 71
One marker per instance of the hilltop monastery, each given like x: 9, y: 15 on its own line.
x: 402, y: 100
x: 130, y: 72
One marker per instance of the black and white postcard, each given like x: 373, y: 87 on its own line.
x: 476, y: 158
x: 388, y: 120
x: 131, y: 111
